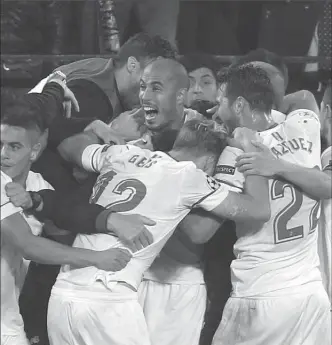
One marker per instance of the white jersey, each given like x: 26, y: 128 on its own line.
x: 283, y: 253
x: 12, y: 265
x: 152, y: 184
x: 167, y: 270
x: 325, y: 231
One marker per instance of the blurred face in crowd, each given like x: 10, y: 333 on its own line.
x: 161, y: 95
x: 203, y: 86
x: 19, y: 148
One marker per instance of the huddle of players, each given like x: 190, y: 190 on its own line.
x: 276, y: 270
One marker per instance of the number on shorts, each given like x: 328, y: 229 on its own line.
x: 137, y: 192
x: 281, y: 232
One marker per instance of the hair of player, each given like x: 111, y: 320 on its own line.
x: 327, y: 97
x: 202, y: 106
x: 251, y: 83
x: 24, y: 114
x: 199, y: 138
x: 143, y: 46
x: 266, y: 56
x: 194, y: 61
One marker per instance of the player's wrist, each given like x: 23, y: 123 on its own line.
x: 104, y: 222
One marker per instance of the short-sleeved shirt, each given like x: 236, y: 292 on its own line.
x: 152, y: 184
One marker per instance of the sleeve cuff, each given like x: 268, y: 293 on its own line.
x: 101, y: 221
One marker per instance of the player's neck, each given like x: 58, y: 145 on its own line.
x: 204, y: 162
x: 261, y: 123
x: 22, y: 177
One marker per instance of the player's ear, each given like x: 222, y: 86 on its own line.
x: 35, y: 152
x: 132, y: 65
x: 239, y: 105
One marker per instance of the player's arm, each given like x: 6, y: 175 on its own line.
x: 16, y: 231
x: 312, y: 181
x: 72, y: 148
x: 200, y: 225
x: 73, y: 212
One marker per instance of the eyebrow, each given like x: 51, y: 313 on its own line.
x: 206, y: 75
x: 156, y: 83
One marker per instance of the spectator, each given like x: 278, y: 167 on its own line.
x: 202, y: 70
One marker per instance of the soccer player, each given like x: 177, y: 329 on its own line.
x: 23, y: 130
x: 276, y: 270
x: 102, y: 307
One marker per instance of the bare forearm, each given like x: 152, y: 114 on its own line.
x: 71, y: 149
x: 312, y: 181
x: 42, y: 250
x: 200, y: 226
x: 16, y: 231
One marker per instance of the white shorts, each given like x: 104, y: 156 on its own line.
x: 298, y: 318
x: 19, y: 339
x: 95, y: 319
x: 174, y: 313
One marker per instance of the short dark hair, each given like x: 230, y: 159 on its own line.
x: 200, y: 136
x: 143, y: 46
x: 194, y: 61
x: 23, y: 113
x: 250, y: 82
x: 266, y: 56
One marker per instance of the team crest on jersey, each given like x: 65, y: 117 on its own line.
x: 213, y: 183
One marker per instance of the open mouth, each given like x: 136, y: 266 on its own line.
x: 150, y: 112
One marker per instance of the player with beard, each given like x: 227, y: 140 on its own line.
x: 276, y: 270
x: 177, y: 272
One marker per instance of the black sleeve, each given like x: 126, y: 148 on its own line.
x: 71, y: 211
x: 92, y: 101
x: 49, y: 101
x: 94, y: 105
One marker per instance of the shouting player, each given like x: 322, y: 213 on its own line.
x: 276, y: 270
